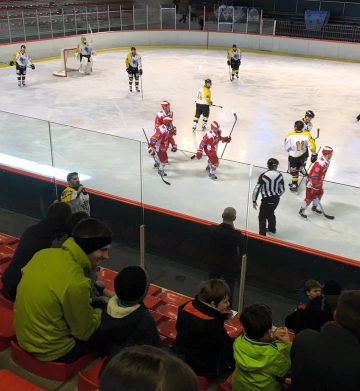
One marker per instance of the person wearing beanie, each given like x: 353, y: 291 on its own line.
x: 54, y: 320
x: 127, y: 321
x: 329, y: 359
x: 34, y: 239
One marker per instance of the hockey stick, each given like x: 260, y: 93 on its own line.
x: 216, y: 106
x: 230, y: 74
x: 318, y: 134
x: 91, y: 37
x: 168, y: 183
x: 325, y: 215
x: 307, y: 170
x: 142, y: 94
x: 235, y: 116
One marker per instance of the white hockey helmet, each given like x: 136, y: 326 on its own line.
x: 327, y: 152
x: 83, y: 39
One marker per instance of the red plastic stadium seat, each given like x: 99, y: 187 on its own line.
x: 7, y: 331
x: 49, y: 370
x: 6, y: 303
x: 106, y: 274
x: 169, y: 311
x: 6, y: 239
x: 170, y: 297
x: 154, y: 290
x: 204, y: 383
x: 6, y: 251
x: 233, y: 331
x: 168, y: 330
x: 157, y: 317
x: 4, y: 265
x: 226, y: 386
x: 89, y: 380
x: 152, y: 302
x: 11, y: 382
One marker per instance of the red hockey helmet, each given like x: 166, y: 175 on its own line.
x: 327, y: 152
x: 165, y: 104
x: 215, y: 126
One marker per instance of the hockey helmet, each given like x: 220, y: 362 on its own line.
x: 165, y: 104
x: 234, y: 46
x: 299, y: 126
x: 208, y: 81
x: 167, y: 120
x: 215, y: 126
x: 83, y: 39
x: 272, y: 163
x: 22, y: 47
x: 327, y: 152
x: 310, y: 114
x: 133, y: 48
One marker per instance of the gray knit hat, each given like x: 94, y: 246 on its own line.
x: 348, y: 311
x: 131, y: 285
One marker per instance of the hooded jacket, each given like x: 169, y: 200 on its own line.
x: 259, y: 365
x: 202, y: 339
x: 127, y: 326
x: 52, y: 306
x: 34, y: 239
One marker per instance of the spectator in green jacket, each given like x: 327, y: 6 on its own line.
x: 262, y: 357
x: 54, y: 320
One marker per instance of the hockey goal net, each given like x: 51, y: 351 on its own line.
x: 67, y: 62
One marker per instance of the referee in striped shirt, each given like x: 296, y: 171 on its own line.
x: 271, y: 185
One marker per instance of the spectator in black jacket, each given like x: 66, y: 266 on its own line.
x: 34, y: 239
x: 201, y: 336
x: 313, y: 317
x: 127, y: 321
x: 332, y: 291
x: 329, y: 360
x: 226, y: 247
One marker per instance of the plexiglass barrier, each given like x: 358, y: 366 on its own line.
x: 127, y: 192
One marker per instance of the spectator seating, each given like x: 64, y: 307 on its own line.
x: 49, y: 370
x: 7, y: 251
x: 233, y: 331
x: 169, y: 311
x: 226, y: 386
x: 7, y: 331
x: 6, y: 303
x: 11, y: 382
x: 8, y: 240
x: 152, y: 302
x: 204, y: 383
x: 4, y: 263
x: 89, y: 380
x: 170, y: 297
x: 168, y: 330
x: 159, y: 318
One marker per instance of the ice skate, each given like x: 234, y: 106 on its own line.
x: 212, y: 176
x: 19, y: 83
x: 232, y: 78
x: 194, y: 127
x: 302, y: 214
x: 314, y: 209
x: 293, y: 187
x: 162, y: 173
x: 130, y: 88
x: 358, y: 117
x: 23, y: 84
x: 203, y: 127
x: 237, y: 75
x: 137, y: 89
x: 272, y: 233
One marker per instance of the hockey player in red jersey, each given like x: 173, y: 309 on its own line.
x: 164, y: 112
x: 209, y: 144
x: 314, y: 182
x: 159, y: 143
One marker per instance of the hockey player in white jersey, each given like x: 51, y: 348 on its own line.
x: 22, y: 60
x: 309, y: 115
x: 86, y: 52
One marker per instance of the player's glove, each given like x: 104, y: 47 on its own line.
x: 228, y: 63
x: 141, y: 72
x: 32, y: 66
x: 11, y: 63
x: 226, y: 139
x: 93, y: 53
x: 314, y: 157
x: 76, y: 56
x: 174, y: 130
x: 128, y: 70
x: 151, y: 151
x: 199, y: 154
x: 174, y: 148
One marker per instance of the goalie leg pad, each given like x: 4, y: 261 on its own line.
x: 88, y: 67
x: 83, y: 65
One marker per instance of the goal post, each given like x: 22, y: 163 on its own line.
x: 67, y: 62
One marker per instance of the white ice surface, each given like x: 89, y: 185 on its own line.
x: 272, y: 93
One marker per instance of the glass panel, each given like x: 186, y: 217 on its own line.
x: 168, y: 17
x: 182, y: 17
x: 16, y: 27
x: 140, y: 17
x: 154, y: 17
x: 211, y: 19
x: 126, y: 17
x: 240, y: 19
x: 177, y: 217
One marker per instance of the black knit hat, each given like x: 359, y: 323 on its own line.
x: 348, y: 311
x: 131, y: 285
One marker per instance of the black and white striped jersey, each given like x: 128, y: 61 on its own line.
x: 270, y: 183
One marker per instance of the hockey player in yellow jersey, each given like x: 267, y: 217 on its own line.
x: 133, y: 67
x: 203, y: 103
x: 297, y: 144
x: 22, y: 60
x: 234, y: 60
x: 309, y: 115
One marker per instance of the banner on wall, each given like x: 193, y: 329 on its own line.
x: 315, y: 20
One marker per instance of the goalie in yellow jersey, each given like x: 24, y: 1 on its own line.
x: 297, y: 144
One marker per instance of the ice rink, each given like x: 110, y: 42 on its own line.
x: 271, y: 94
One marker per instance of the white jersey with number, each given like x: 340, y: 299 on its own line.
x: 296, y: 144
